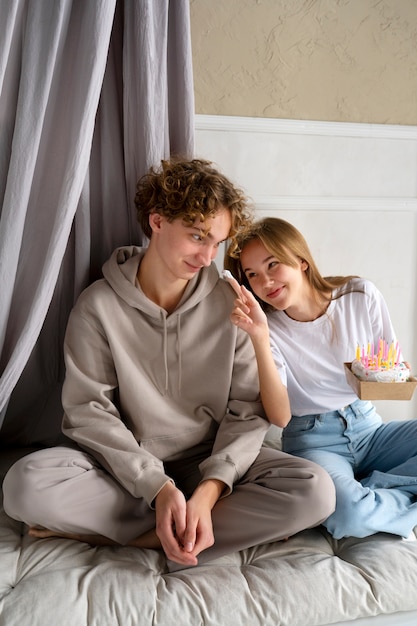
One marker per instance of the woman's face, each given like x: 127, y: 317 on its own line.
x: 281, y: 286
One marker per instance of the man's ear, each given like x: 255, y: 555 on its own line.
x: 155, y: 220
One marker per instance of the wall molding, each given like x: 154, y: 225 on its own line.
x: 376, y: 163
x: 326, y: 203
x: 273, y: 125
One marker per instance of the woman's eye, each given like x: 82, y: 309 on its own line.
x: 273, y: 264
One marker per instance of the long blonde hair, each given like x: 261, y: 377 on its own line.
x: 286, y: 244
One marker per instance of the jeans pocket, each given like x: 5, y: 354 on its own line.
x: 296, y: 434
x: 300, y: 425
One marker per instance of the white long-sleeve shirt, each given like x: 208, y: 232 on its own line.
x: 310, y: 356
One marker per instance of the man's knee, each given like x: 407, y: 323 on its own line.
x: 312, y: 487
x: 29, y: 493
x: 17, y: 492
x: 320, y: 491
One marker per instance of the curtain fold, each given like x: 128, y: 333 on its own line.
x: 91, y: 94
x: 157, y: 82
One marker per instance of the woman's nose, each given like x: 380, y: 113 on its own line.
x: 266, y: 280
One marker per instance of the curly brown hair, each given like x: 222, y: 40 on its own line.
x: 190, y: 190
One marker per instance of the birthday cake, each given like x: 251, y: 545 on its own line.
x: 396, y: 373
x: 381, y: 366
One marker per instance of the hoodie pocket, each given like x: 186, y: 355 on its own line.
x: 170, y: 446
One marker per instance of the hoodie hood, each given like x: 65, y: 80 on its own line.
x: 120, y: 272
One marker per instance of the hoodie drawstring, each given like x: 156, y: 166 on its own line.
x: 165, y: 348
x: 179, y: 352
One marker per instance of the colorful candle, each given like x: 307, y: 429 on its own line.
x: 386, y: 357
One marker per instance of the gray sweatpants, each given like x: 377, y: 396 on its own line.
x: 66, y: 490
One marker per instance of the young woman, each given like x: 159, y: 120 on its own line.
x: 304, y: 327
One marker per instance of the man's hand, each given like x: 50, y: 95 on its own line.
x: 171, y: 516
x: 198, y: 533
x: 185, y: 528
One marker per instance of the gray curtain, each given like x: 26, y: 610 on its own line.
x: 91, y: 94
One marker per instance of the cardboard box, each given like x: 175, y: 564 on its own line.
x: 380, y: 391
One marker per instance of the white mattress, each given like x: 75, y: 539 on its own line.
x: 309, y: 580
x: 396, y: 619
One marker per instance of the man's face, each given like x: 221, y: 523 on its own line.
x: 184, y: 249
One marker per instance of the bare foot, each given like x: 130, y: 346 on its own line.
x: 93, y: 540
x: 41, y: 533
x: 147, y: 540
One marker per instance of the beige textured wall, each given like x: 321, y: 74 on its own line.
x: 334, y: 60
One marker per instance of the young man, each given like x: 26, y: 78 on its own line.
x: 161, y: 399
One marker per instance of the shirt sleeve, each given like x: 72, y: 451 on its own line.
x: 278, y: 359
x: 379, y: 316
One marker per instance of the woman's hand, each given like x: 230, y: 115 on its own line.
x: 248, y: 315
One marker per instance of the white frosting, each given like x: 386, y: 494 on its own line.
x: 397, y: 374
x: 228, y: 276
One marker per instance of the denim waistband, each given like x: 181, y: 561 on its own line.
x: 358, y: 408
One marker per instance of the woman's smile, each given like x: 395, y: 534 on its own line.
x: 275, y: 293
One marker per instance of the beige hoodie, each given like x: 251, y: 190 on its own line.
x: 143, y: 386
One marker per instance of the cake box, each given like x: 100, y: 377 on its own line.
x: 380, y: 391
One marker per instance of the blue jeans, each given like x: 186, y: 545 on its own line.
x: 373, y: 466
